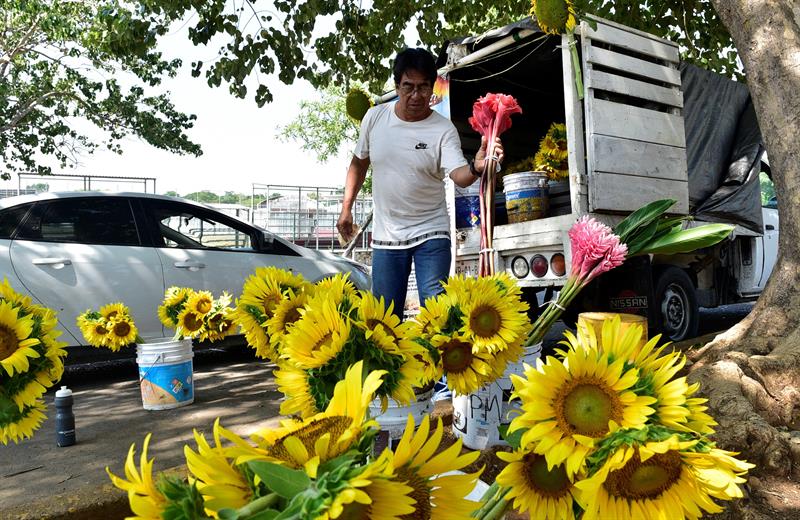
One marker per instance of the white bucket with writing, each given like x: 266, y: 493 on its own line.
x: 165, y: 373
x: 393, y: 420
x: 477, y: 416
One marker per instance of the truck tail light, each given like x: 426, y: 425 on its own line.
x: 539, y: 266
x: 519, y: 266
x: 557, y: 264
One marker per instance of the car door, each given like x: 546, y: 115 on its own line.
x: 204, y: 249
x: 72, y: 254
x: 769, y: 240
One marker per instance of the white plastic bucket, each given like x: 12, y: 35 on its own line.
x: 526, y: 196
x: 165, y: 373
x: 393, y: 420
x: 477, y: 416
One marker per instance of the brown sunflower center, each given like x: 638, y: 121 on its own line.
x: 356, y: 511
x: 648, y: 479
x: 204, y: 306
x: 308, y: 434
x: 551, y: 483
x: 292, y: 315
x: 584, y: 406
x: 270, y: 302
x: 111, y: 315
x: 8, y: 342
x: 100, y: 329
x: 456, y: 356
x: 372, y: 323
x: 192, y: 322
x: 324, y: 340
x: 420, y: 492
x: 485, y: 321
x: 121, y: 329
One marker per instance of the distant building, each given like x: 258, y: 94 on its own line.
x: 14, y: 193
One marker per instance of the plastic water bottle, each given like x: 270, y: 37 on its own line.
x: 65, y: 419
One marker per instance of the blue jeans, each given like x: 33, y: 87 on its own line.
x: 391, y: 268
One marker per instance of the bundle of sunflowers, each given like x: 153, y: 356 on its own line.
x: 31, y: 361
x: 193, y: 314
x: 315, y: 332
x: 552, y: 155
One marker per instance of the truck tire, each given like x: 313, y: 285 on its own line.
x: 676, y: 304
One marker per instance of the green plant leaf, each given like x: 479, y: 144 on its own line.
x: 514, y: 439
x: 687, y: 240
x: 280, y: 479
x: 641, y: 238
x: 642, y: 217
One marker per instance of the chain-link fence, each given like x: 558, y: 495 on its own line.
x: 306, y: 215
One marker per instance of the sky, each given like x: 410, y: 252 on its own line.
x: 239, y: 140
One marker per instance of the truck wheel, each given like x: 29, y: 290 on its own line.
x: 676, y: 304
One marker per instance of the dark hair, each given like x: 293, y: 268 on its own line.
x: 417, y: 59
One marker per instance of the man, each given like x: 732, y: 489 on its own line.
x: 411, y: 148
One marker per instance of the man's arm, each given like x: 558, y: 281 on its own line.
x: 356, y: 173
x: 466, y: 175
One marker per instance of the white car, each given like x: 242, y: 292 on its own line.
x: 77, y: 250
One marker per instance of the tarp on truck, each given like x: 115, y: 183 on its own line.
x: 723, y: 149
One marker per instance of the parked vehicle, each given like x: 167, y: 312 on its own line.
x: 79, y: 250
x: 649, y: 127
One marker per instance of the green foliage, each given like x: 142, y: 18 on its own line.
x: 290, y: 40
x: 65, y: 61
x: 767, y: 188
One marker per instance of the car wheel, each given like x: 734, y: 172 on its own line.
x: 676, y: 304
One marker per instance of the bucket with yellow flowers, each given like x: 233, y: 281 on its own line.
x: 165, y: 364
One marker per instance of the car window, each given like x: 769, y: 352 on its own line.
x: 86, y: 221
x: 768, y: 199
x: 181, y: 225
x: 10, y: 218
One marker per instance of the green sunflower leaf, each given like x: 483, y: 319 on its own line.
x: 282, y: 480
x: 513, y: 439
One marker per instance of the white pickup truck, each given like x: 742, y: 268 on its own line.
x: 647, y: 128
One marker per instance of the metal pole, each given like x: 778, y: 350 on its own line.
x: 316, y: 222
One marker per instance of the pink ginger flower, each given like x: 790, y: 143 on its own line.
x: 614, y: 257
x: 590, y: 240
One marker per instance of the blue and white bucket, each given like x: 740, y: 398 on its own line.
x: 527, y: 196
x: 468, y: 206
x: 477, y: 416
x: 166, y: 373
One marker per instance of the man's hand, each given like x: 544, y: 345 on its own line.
x: 345, y: 225
x: 497, y: 154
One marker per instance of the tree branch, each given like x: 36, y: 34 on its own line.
x: 29, y: 106
x: 21, y: 44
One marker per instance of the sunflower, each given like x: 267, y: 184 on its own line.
x: 286, y: 314
x: 145, y: 499
x: 662, y: 479
x: 554, y: 16
x: 174, y: 300
x: 317, y: 337
x: 250, y: 322
x: 16, y: 299
x: 370, y: 493
x: 218, y: 480
x: 218, y: 325
x: 569, y: 405
x: 491, y: 322
x: 200, y: 302
x: 16, y: 343
x: 309, y: 442
x: 466, y: 369
x: 381, y: 325
x: 548, y: 493
x: 96, y: 332
x: 19, y: 425
x: 190, y: 324
x: 295, y: 384
x: 122, y: 332
x: 282, y: 279
x: 698, y: 420
x: 113, y: 310
x: 339, y: 289
x: 432, y: 317
x: 417, y: 463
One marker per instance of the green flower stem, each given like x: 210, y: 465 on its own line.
x: 552, y: 313
x: 496, y: 507
x: 486, y: 499
x: 576, y: 62
x: 258, y: 505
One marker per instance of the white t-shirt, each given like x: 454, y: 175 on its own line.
x: 409, y: 163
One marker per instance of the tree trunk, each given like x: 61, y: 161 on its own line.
x: 751, y: 374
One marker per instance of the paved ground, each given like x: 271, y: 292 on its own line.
x: 109, y: 417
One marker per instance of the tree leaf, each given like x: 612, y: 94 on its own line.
x: 642, y: 217
x: 687, y: 240
x: 280, y: 479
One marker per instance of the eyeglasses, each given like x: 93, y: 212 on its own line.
x: 422, y: 90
